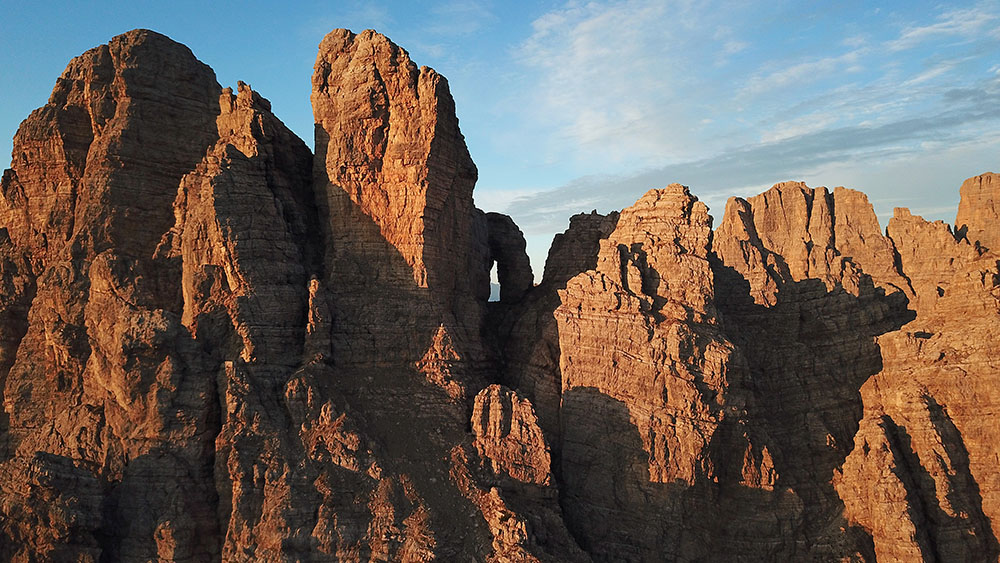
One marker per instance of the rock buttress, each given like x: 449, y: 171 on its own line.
x: 106, y: 390
x: 979, y: 210
x: 171, y: 262
x: 879, y: 457
x: 650, y: 390
x: 929, y: 415
x: 404, y: 293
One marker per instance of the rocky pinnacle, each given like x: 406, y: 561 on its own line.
x: 219, y: 345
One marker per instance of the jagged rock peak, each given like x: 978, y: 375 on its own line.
x: 575, y: 250
x: 507, y: 249
x: 389, y: 146
x: 167, y: 226
x: 979, y: 210
x: 792, y: 232
x: 140, y: 80
x: 645, y: 376
x: 214, y: 346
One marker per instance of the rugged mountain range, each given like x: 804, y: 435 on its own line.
x: 216, y: 344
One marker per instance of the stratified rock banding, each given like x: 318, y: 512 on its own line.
x: 217, y: 345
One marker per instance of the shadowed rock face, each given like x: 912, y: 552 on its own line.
x: 216, y: 346
x: 927, y: 414
x: 649, y: 384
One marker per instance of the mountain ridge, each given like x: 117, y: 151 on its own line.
x: 218, y: 345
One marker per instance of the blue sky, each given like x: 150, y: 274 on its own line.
x: 573, y: 106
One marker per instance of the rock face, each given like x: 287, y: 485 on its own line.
x: 646, y: 378
x: 218, y: 346
x: 979, y: 210
x: 111, y: 406
x: 927, y: 414
x: 881, y: 467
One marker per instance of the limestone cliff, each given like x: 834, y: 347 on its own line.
x: 218, y: 345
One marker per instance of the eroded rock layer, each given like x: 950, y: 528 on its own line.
x: 216, y: 346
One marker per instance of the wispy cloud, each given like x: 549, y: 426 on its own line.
x: 634, y: 89
x: 460, y: 17
x: 730, y: 45
x: 933, y: 72
x: 961, y: 24
x: 854, y: 41
x: 806, y: 71
x: 801, y: 125
x: 615, y: 80
x: 760, y: 164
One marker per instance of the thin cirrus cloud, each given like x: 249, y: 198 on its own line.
x: 619, y: 72
x: 962, y: 24
x: 753, y: 165
x: 875, y: 90
x: 460, y: 17
x: 802, y: 72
